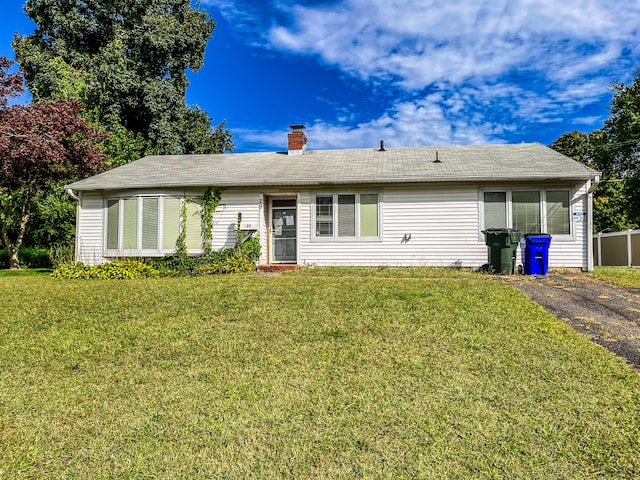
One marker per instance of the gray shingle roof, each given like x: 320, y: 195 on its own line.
x: 529, y: 162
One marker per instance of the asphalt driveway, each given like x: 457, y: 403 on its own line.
x: 608, y: 314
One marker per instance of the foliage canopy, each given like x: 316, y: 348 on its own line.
x: 127, y: 60
x: 40, y: 145
x: 615, y: 151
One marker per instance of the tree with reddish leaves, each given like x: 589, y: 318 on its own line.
x: 40, y: 145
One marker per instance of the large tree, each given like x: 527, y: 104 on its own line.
x: 615, y: 151
x: 622, y: 128
x: 40, y: 145
x: 610, y: 199
x: 131, y: 56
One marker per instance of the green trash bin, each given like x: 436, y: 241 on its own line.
x: 503, y: 246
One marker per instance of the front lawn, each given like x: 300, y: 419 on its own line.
x: 300, y: 375
x: 627, y: 277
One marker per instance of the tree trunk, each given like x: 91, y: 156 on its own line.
x: 14, y: 261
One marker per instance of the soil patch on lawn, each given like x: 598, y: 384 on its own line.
x: 608, y: 314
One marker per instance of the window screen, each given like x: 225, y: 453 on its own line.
x: 130, y: 224
x: 495, y: 210
x: 150, y: 223
x: 113, y: 207
x: 170, y: 222
x: 193, y: 225
x: 526, y: 211
x: 369, y: 215
x: 324, y: 215
x: 558, y: 212
x: 346, y: 215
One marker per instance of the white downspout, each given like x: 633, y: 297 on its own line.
x: 591, y: 186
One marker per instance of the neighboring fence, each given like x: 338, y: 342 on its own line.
x: 617, y: 249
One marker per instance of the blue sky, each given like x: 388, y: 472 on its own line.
x: 411, y: 72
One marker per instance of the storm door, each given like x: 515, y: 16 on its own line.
x: 284, y: 230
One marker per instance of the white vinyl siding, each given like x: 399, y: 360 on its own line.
x: 90, y: 228
x: 443, y: 221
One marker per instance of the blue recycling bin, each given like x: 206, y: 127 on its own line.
x: 536, y: 253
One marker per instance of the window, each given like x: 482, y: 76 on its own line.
x: 495, y: 209
x: 526, y: 211
x: 530, y: 211
x: 170, y: 222
x: 324, y: 216
x: 558, y: 214
x: 150, y: 225
x: 347, y: 215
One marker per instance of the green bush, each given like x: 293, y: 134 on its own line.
x: 229, y: 265
x: 120, y: 269
x: 183, y: 266
x: 251, y: 249
x: 31, y: 257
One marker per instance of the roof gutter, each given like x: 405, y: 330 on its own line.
x: 72, y: 195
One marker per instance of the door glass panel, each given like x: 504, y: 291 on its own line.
x: 283, y: 234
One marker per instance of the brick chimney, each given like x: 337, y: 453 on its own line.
x: 297, y: 140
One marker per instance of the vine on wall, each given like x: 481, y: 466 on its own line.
x: 210, y: 201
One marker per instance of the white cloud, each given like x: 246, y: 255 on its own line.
x: 423, y: 41
x: 422, y: 121
x: 495, y: 62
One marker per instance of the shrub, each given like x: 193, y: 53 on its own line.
x: 251, y: 249
x: 31, y: 257
x: 113, y: 270
x: 229, y: 265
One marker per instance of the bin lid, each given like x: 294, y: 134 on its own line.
x: 537, y: 238
x: 496, y: 231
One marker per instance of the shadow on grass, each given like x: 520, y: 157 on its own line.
x: 25, y: 272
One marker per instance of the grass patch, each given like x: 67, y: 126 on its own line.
x: 385, y: 272
x: 627, y: 277
x: 25, y: 272
x: 294, y: 376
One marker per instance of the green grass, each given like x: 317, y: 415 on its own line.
x: 298, y: 376
x: 24, y: 272
x: 627, y: 277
